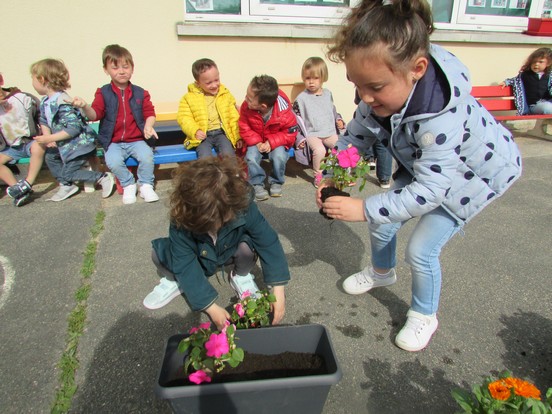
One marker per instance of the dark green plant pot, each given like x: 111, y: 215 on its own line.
x: 302, y: 395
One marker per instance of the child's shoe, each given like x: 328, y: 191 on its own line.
x: 64, y: 192
x: 384, y: 184
x: 417, y: 331
x: 243, y: 284
x: 22, y: 199
x: 275, y: 190
x: 107, y: 181
x: 129, y: 194
x: 260, y: 193
x: 365, y: 280
x: 148, y: 194
x: 89, y: 187
x: 18, y: 189
x: 162, y: 294
x: 371, y: 163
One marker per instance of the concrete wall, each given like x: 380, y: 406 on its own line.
x: 77, y: 31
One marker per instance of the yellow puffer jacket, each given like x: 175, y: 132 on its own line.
x: 192, y: 114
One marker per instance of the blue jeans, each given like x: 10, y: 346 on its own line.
x: 278, y: 157
x: 216, y: 140
x: 432, y: 232
x: 117, y: 154
x: 68, y: 172
x: 542, y: 107
x: 384, y: 163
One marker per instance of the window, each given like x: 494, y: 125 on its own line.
x: 486, y: 15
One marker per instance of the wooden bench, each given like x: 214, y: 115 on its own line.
x: 496, y: 98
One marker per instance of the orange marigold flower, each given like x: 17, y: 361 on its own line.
x: 523, y: 388
x: 499, y: 390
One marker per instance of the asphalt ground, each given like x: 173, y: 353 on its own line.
x: 495, y: 310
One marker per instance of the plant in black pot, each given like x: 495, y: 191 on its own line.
x: 342, y: 169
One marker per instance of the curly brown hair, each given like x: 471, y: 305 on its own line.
x: 208, y: 193
x: 403, y: 26
x: 542, y: 52
x: 52, y: 72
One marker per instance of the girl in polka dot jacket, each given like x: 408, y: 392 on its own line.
x: 453, y: 157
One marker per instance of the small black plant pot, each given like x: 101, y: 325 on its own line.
x: 330, y: 192
x: 299, y: 394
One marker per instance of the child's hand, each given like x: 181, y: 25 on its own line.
x: 52, y: 145
x: 503, y: 84
x: 44, y: 139
x: 150, y: 132
x: 200, y: 135
x: 344, y: 208
x: 279, y: 307
x: 77, y: 102
x: 239, y: 144
x: 340, y: 124
x: 264, y: 147
x: 323, y: 184
x: 218, y: 315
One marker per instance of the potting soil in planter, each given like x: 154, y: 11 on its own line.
x: 258, y: 367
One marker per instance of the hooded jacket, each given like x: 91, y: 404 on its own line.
x: 193, y: 115
x: 450, y: 150
x: 280, y: 130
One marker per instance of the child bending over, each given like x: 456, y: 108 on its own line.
x: 64, y: 125
x: 214, y: 223
x: 453, y: 157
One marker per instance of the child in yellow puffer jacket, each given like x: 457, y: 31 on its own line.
x: 207, y: 113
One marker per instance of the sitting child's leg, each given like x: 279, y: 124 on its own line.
x: 143, y: 153
x: 166, y: 290
x: 21, y: 191
x: 241, y: 278
x: 115, y: 158
x: 73, y: 171
x: 223, y: 145
x: 279, y: 158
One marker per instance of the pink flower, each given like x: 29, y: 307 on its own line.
x: 245, y: 294
x: 193, y: 330
x: 348, y: 158
x: 217, y: 345
x: 199, y: 376
x: 205, y: 325
x: 239, y: 309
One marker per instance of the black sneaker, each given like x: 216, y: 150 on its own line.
x: 18, y: 189
x: 22, y: 199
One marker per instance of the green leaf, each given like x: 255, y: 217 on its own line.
x: 238, y: 354
x: 183, y: 346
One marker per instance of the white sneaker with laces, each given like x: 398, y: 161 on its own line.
x: 242, y: 284
x: 108, y: 184
x: 129, y: 194
x: 64, y: 192
x: 365, y: 280
x: 162, y: 294
x: 148, y: 194
x: 417, y: 331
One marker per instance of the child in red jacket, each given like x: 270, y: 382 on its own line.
x: 267, y: 126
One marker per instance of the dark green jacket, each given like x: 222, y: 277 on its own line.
x: 194, y: 257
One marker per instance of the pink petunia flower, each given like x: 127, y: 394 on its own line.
x: 199, y: 376
x: 239, y: 309
x: 348, y: 158
x: 245, y: 294
x: 205, y: 325
x: 217, y: 345
x: 193, y: 330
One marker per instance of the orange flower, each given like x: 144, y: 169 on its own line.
x: 523, y: 388
x: 499, y: 390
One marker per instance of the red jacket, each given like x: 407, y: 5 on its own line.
x: 280, y: 130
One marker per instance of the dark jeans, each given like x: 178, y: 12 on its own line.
x: 243, y: 260
x: 384, y: 163
x: 70, y: 171
x: 215, y: 139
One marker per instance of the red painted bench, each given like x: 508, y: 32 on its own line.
x: 496, y: 98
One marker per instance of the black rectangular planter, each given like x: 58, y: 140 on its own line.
x: 302, y: 395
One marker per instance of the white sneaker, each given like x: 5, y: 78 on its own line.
x: 162, y: 294
x: 89, y: 187
x: 365, y: 280
x: 64, y: 192
x: 417, y: 331
x: 148, y: 194
x: 129, y: 194
x: 242, y: 284
x: 108, y: 184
